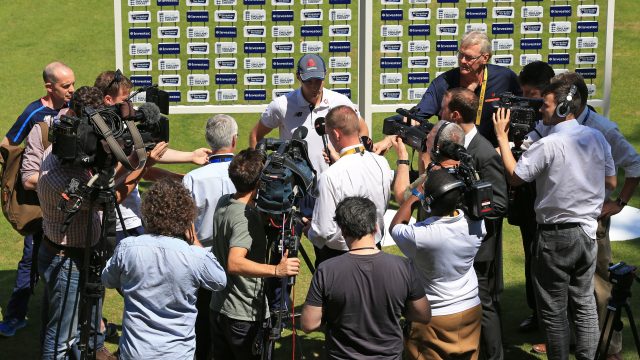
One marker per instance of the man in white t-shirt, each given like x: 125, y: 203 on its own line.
x: 302, y: 107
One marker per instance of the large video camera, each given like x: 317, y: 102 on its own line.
x: 97, y: 138
x: 477, y: 201
x: 622, y: 275
x: 286, y: 178
x: 414, y: 136
x: 524, y: 114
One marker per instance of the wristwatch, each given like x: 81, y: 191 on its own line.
x: 402, y: 162
x: 621, y: 203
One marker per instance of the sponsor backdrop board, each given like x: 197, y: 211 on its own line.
x: 236, y: 52
x: 243, y: 53
x: 416, y: 40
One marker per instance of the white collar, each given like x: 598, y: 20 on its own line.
x: 469, y: 136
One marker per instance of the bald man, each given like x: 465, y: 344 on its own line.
x: 59, y: 82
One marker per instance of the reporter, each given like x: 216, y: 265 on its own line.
x: 159, y: 274
x: 442, y: 248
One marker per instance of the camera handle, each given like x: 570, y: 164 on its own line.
x: 107, y: 134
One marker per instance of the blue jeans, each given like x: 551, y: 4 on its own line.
x: 61, y: 276
x: 19, y: 300
x: 563, y: 264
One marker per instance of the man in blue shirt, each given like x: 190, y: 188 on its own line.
x: 476, y: 74
x: 59, y: 82
x: 159, y: 274
x: 206, y: 185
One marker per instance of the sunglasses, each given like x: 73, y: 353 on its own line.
x: 117, y: 78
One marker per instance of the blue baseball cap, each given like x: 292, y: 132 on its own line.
x: 311, y: 66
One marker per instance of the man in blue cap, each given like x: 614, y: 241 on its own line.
x: 302, y: 107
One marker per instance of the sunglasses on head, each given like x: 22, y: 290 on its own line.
x: 117, y: 78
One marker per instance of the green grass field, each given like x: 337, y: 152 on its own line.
x: 81, y: 34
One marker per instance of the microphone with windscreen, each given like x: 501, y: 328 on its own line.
x: 319, y: 125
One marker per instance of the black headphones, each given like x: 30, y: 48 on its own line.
x: 428, y: 199
x: 564, y: 107
x: 435, y: 151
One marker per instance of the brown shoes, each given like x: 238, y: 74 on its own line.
x: 104, y: 354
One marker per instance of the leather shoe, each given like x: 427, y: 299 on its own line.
x: 104, y: 354
x: 529, y: 324
x: 616, y: 356
x: 539, y: 348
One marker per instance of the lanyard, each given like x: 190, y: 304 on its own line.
x: 481, y: 100
x: 220, y: 158
x: 355, y: 150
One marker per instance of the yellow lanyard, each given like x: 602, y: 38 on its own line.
x: 481, y: 100
x: 355, y: 150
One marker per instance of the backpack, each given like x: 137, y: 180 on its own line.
x: 19, y: 206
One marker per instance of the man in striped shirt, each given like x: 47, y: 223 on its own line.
x: 59, y: 81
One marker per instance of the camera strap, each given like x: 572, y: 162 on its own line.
x: 138, y: 144
x: 481, y: 99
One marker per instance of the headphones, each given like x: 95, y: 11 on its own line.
x: 428, y: 199
x: 564, y: 107
x: 435, y: 151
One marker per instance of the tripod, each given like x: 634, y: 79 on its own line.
x: 280, y: 239
x: 617, y: 302
x: 99, y: 191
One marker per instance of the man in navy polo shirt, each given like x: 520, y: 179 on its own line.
x: 476, y: 74
x: 59, y: 82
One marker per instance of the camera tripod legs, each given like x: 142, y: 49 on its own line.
x: 617, y: 325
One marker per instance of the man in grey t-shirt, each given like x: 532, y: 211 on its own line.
x: 240, y: 245
x: 362, y: 294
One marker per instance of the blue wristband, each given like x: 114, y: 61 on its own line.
x: 417, y: 194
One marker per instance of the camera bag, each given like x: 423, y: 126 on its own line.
x: 20, y: 207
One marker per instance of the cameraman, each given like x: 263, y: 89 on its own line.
x: 572, y: 166
x: 356, y: 172
x: 302, y: 107
x: 116, y: 88
x: 240, y: 245
x: 442, y: 249
x: 534, y: 78
x: 442, y: 145
x: 460, y: 106
x: 59, y: 82
x: 60, y: 256
x: 160, y: 275
x: 362, y: 294
x: 476, y: 74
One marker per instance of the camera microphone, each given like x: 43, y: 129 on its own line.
x: 148, y: 113
x: 319, y: 125
x: 300, y: 133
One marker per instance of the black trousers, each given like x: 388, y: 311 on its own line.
x: 233, y: 339
x: 203, y: 325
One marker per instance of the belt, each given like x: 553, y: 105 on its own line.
x: 61, y: 250
x: 561, y: 226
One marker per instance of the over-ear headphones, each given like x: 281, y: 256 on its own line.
x: 564, y: 107
x: 435, y: 151
x: 429, y: 199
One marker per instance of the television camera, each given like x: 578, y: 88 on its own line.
x: 287, y: 177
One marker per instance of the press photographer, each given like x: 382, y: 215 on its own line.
x: 240, y: 245
x: 442, y: 248
x: 71, y: 234
x: 572, y: 166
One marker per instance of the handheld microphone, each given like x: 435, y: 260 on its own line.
x: 300, y: 133
x: 320, y: 130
